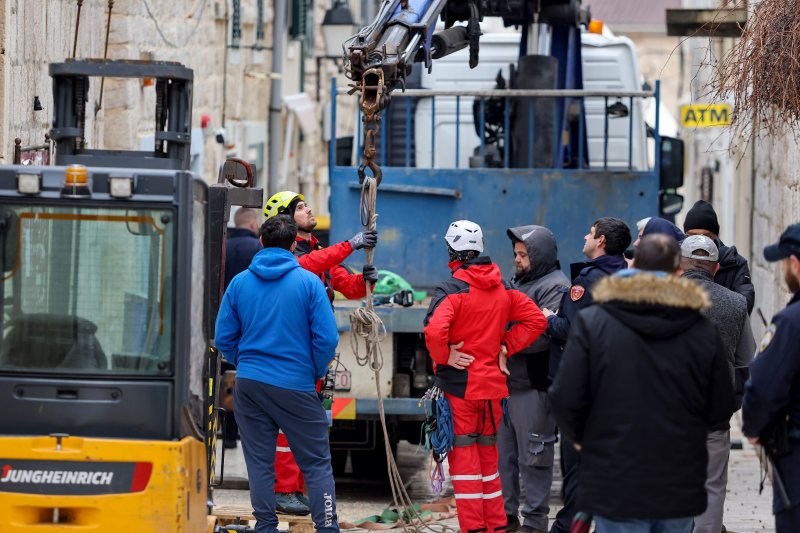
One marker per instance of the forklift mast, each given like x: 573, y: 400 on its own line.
x: 173, y: 113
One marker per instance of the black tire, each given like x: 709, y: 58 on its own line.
x: 338, y: 462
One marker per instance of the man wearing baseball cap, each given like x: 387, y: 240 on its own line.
x: 772, y: 396
x: 699, y: 262
x: 734, y: 272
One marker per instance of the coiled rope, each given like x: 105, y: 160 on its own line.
x: 366, y: 325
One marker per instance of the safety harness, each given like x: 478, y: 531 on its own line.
x: 438, y: 433
x: 478, y: 437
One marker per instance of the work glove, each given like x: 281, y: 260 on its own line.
x: 370, y: 273
x: 364, y: 239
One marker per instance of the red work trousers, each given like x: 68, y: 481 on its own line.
x: 287, y: 474
x: 473, y: 468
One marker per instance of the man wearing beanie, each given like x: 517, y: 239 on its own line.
x: 734, y: 272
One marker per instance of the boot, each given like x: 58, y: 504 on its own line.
x: 287, y: 503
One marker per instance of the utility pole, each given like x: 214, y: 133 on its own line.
x: 276, y: 98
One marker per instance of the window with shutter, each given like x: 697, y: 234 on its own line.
x: 301, y: 23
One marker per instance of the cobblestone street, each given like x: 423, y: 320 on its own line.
x: 746, y: 510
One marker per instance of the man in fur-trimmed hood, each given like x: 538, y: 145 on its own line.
x: 643, y: 377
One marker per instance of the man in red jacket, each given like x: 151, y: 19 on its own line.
x: 324, y: 262
x: 471, y: 312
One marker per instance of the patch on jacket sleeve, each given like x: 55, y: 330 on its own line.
x: 576, y: 292
x: 767, y: 338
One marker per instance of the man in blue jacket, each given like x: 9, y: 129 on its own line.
x: 277, y: 326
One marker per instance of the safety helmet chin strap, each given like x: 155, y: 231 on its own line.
x: 463, y: 255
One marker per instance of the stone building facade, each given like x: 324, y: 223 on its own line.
x: 231, y: 84
x: 776, y: 204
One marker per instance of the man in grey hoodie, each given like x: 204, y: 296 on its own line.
x: 525, y: 443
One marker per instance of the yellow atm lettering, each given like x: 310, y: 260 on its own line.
x: 705, y: 115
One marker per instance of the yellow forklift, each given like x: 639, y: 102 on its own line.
x: 112, y: 265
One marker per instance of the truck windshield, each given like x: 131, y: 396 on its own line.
x: 86, y: 290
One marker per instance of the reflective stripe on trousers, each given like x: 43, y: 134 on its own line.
x: 473, y: 468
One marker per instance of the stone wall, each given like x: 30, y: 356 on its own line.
x: 37, y: 32
x: 192, y: 32
x: 776, y: 205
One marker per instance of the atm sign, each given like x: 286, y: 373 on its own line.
x: 705, y: 115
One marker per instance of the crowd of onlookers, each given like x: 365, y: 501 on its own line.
x: 649, y: 352
x: 633, y: 365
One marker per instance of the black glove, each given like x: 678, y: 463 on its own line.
x: 364, y: 239
x: 370, y: 273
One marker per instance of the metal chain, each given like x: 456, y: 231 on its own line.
x: 99, y: 104
x: 365, y: 324
x: 77, y: 27
x: 373, y: 101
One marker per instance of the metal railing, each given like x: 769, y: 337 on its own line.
x: 562, y: 99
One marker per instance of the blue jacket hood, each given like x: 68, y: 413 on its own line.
x: 273, y: 263
x: 288, y: 345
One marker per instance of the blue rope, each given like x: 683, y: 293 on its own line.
x: 443, y: 434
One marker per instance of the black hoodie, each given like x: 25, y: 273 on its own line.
x: 643, y: 377
x: 734, y: 273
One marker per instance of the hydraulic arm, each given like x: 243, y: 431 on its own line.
x: 379, y: 57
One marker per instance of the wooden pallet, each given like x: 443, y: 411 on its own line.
x: 230, y: 514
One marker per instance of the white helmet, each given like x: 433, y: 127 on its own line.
x: 464, y: 235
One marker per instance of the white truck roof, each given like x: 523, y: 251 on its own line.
x: 609, y: 63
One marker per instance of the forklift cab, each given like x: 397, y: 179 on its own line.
x: 96, y: 320
x: 112, y: 273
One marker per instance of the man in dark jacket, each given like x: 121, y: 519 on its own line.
x: 644, y: 376
x: 467, y: 337
x: 699, y: 261
x: 240, y: 247
x: 276, y: 325
x: 526, y: 442
x: 734, y: 272
x: 242, y: 243
x: 773, y: 392
x: 607, y: 240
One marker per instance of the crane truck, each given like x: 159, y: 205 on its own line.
x: 549, y: 147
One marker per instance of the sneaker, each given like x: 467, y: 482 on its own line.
x: 287, y: 503
x: 303, y: 499
x: 513, y: 523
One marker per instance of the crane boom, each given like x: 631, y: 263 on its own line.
x: 379, y: 57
